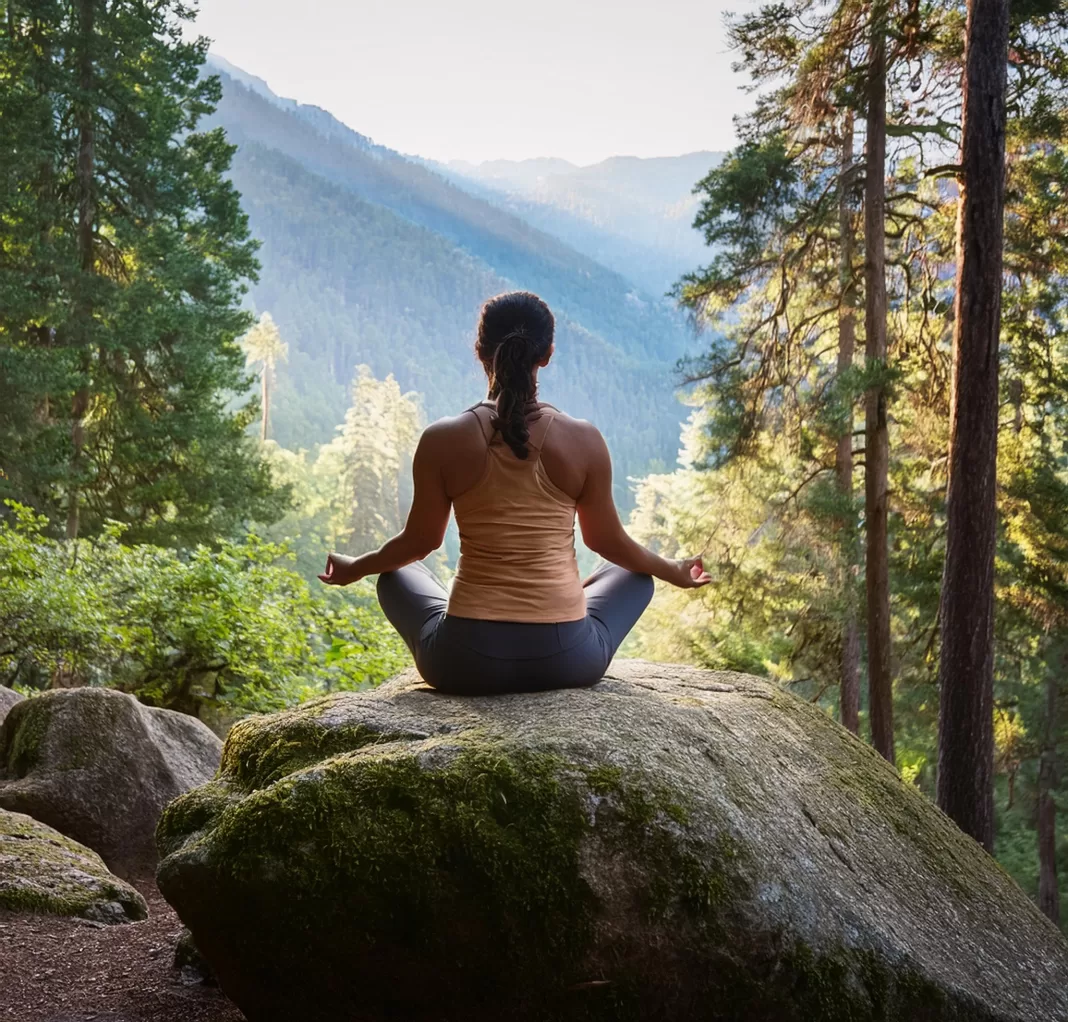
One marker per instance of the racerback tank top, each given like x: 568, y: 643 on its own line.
x: 517, y: 536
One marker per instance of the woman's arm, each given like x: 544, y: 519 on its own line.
x: 424, y: 529
x: 603, y: 532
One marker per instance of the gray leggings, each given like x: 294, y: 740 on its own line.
x: 469, y: 656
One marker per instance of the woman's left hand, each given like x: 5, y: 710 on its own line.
x: 340, y: 571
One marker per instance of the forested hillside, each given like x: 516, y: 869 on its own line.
x: 634, y: 215
x: 370, y: 258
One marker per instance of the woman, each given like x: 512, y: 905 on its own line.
x: 516, y: 471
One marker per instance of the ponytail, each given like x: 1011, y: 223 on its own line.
x: 513, y: 381
x: 515, y: 333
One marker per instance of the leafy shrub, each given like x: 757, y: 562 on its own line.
x: 227, y: 628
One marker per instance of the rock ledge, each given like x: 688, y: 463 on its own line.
x: 672, y: 844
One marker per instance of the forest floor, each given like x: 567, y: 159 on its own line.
x: 65, y: 970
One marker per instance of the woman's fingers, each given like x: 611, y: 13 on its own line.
x: 698, y: 575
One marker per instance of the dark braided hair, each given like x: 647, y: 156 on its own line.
x: 515, y: 332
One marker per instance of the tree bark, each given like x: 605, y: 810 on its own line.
x: 849, y: 697
x: 86, y: 217
x: 1049, y: 895
x: 266, y: 402
x: 966, y: 669
x: 876, y: 433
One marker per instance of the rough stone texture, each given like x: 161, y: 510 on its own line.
x: 671, y: 844
x: 8, y: 698
x: 190, y: 962
x: 44, y: 872
x: 99, y: 766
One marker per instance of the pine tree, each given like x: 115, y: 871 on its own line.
x: 264, y: 348
x: 373, y: 451
x: 966, y: 669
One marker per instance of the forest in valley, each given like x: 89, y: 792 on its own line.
x: 225, y: 319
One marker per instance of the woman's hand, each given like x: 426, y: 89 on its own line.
x: 689, y: 574
x: 340, y: 571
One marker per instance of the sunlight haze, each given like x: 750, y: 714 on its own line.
x: 476, y: 80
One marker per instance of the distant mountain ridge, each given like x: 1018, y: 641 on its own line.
x: 323, y: 121
x: 605, y: 301
x: 632, y: 214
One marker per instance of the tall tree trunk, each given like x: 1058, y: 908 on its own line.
x: 266, y: 402
x: 849, y: 700
x: 45, y: 190
x: 876, y: 434
x: 82, y: 326
x: 1049, y: 895
x: 966, y: 669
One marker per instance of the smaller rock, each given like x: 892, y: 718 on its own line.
x: 192, y: 968
x: 99, y: 766
x: 8, y: 698
x: 42, y: 871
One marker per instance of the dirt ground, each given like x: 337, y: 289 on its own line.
x: 65, y: 970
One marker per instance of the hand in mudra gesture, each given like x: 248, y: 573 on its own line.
x: 340, y: 571
x: 691, y: 573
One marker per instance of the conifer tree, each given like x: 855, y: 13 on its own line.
x: 966, y: 669
x: 264, y: 348
x: 124, y: 256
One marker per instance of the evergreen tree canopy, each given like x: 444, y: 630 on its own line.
x: 123, y: 258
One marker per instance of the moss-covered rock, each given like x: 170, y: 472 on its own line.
x: 8, y: 698
x: 42, y: 871
x: 99, y: 766
x: 672, y: 844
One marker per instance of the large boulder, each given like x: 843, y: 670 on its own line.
x: 672, y: 844
x: 44, y: 872
x: 99, y: 766
x: 8, y: 698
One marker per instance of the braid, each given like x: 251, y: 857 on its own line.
x: 514, y: 386
x: 515, y: 333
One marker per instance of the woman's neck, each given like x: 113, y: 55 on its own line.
x: 490, y: 400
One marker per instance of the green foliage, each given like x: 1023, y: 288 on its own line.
x: 227, y: 628
x: 354, y: 492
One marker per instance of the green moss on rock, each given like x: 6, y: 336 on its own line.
x: 41, y: 871
x: 486, y: 839
x: 21, y: 735
x: 701, y: 876
x: 259, y: 750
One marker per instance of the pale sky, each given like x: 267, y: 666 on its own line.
x: 484, y: 79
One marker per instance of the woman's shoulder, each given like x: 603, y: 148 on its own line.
x: 570, y: 422
x: 466, y: 421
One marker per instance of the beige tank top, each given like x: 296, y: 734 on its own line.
x: 517, y: 536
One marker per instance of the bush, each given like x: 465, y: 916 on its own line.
x: 227, y: 628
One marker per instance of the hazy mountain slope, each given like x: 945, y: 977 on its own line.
x: 634, y: 215
x: 349, y: 282
x: 575, y: 285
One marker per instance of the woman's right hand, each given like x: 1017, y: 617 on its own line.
x: 340, y: 571
x: 689, y: 573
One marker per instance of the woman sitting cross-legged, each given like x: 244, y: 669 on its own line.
x: 516, y: 470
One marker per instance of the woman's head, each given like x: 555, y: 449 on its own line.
x: 515, y: 337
